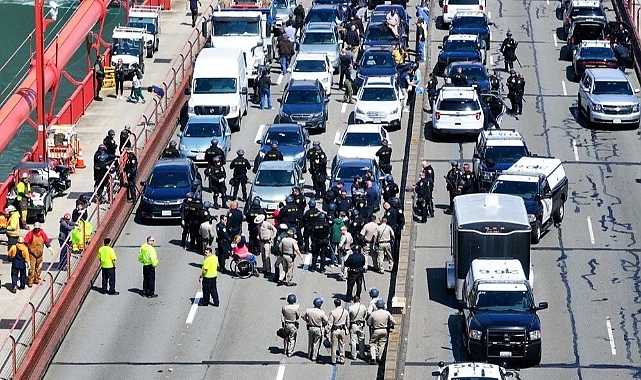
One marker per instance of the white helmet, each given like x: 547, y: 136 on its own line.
x: 11, y: 208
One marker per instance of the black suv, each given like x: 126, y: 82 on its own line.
x: 584, y: 30
x: 304, y: 102
x: 582, y: 10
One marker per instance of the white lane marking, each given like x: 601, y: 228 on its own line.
x: 547, y: 1
x: 306, y: 261
x: 489, y: 14
x: 565, y: 91
x: 280, y: 79
x: 344, y: 108
x: 556, y: 42
x: 281, y: 372
x: 608, y: 324
x: 576, y: 151
x: 194, y: 308
x: 491, y: 60
x: 590, y: 230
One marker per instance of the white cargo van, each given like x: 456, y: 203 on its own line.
x: 219, y: 85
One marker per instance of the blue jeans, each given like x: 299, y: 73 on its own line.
x: 284, y: 63
x: 252, y: 259
x: 64, y: 251
x: 265, y: 93
x: 420, y: 50
x: 334, y: 257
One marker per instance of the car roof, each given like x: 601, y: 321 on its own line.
x: 300, y: 84
x: 303, y: 56
x: 480, y: 207
x: 364, y: 128
x: 165, y: 164
x: 462, y: 37
x: 283, y: 127
x: 607, y: 74
x: 276, y: 165
x: 458, y: 93
x: 379, y: 81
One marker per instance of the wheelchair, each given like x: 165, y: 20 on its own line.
x: 242, y: 267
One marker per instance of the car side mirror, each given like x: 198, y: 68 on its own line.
x: 179, y: 134
x: 243, y: 91
x: 542, y: 305
x: 476, y: 155
x: 436, y: 373
x: 462, y: 305
x: 440, y: 47
x: 279, y: 100
x: 143, y: 183
x: 187, y: 91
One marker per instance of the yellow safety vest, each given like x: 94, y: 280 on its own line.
x: 210, y: 266
x: 147, y: 255
x: 106, y: 255
x: 14, y: 224
x: 22, y: 189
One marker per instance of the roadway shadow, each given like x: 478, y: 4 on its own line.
x: 563, y: 54
x: 96, y: 289
x: 569, y: 74
x: 558, y: 12
x: 176, y: 242
x: 437, y: 286
x: 136, y: 291
x: 457, y: 338
x: 440, y: 24
x: 560, y: 33
x: 429, y: 135
x: 196, y: 265
x: 334, y: 276
x: 582, y: 121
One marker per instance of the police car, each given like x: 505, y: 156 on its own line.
x: 484, y: 371
x: 496, y: 150
x: 592, y: 54
x: 457, y: 110
x: 379, y: 101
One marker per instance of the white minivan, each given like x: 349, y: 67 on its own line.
x: 219, y: 85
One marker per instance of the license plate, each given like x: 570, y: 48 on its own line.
x: 166, y: 212
x: 200, y: 156
x: 272, y: 206
x: 377, y: 121
x: 505, y: 354
x: 616, y: 121
x: 388, y: 2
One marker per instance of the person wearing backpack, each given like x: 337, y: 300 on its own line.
x: 622, y: 54
x: 334, y: 239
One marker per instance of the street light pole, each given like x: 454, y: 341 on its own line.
x: 41, y: 25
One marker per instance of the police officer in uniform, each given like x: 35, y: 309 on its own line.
x: 290, y: 314
x: 337, y: 326
x: 422, y: 193
x: 459, y: 79
x: 512, y: 91
x: 110, y: 142
x: 343, y: 202
x: 171, y: 151
x: 452, y: 178
x: 299, y: 199
x: 309, y: 218
x: 384, y: 155
x: 316, y: 321
x: 101, y: 164
x: 356, y: 224
x: 400, y: 217
x: 234, y: 219
x: 432, y: 90
x: 360, y: 203
x: 290, y: 214
x: 390, y: 190
x: 184, y: 217
x: 224, y: 242
x: 239, y: 167
x: 508, y: 49
x: 252, y: 227
x: 391, y: 215
x: 379, y: 322
x: 320, y: 242
x: 273, y: 154
x: 520, y: 90
x: 131, y: 172
x: 214, y: 151
x: 356, y: 185
x: 468, y: 180
x: 333, y: 193
x: 318, y: 170
x: 124, y: 138
x: 217, y: 186
x: 355, y: 265
x: 196, y: 217
x: 357, y: 318
x: 495, y: 81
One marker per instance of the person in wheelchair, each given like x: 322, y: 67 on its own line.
x: 241, y: 252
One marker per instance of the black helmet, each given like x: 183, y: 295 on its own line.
x: 332, y: 206
x: 354, y: 213
x: 289, y: 199
x: 189, y: 195
x: 111, y: 132
x: 318, y: 302
x: 256, y: 201
x: 322, y: 216
x: 389, y: 178
x: 274, y: 144
x: 172, y: 144
x: 297, y: 188
x: 214, y: 142
x: 240, y: 152
x: 312, y: 203
x: 508, y: 33
x: 380, y: 304
x: 291, y: 298
x: 395, y: 202
x: 102, y: 147
x: 384, y: 142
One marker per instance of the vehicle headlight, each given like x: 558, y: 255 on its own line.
x: 299, y: 155
x: 233, y: 109
x: 635, y: 108
x: 146, y: 198
x: 597, y: 108
x: 183, y: 146
x: 531, y: 217
x: 535, y: 335
x: 475, y: 334
x: 190, y: 109
x: 261, y: 154
x: 395, y: 110
x: 359, y: 111
x: 317, y: 115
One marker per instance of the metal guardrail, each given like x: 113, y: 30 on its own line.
x: 45, y: 295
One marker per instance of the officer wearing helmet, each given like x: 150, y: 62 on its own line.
x: 214, y: 151
x: 390, y: 189
x: 110, y: 142
x: 422, y: 190
x: 309, y: 218
x: 195, y: 217
x: 299, y: 199
x: 250, y: 217
x: 100, y: 168
x: 288, y: 248
x: 217, y: 186
x: 384, y: 155
x: 171, y: 151
x: 239, y: 167
x: 380, y: 322
x: 316, y: 320
x: 311, y: 152
x: 124, y: 138
x: 102, y: 149
x: 508, y: 49
x: 185, y: 208
x: 131, y: 172
x: 374, y: 296
x: 281, y: 234
x: 452, y: 179
x: 318, y: 170
x: 273, y: 154
x: 290, y: 314
x: 320, y: 241
x: 355, y: 264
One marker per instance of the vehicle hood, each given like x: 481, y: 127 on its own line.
x: 479, y: 31
x: 201, y: 144
x: 322, y: 77
x: 376, y: 72
x: 608, y: 99
x: 166, y: 193
x: 270, y: 194
x: 358, y: 152
x: 213, y: 100
x: 289, y: 151
x: 329, y: 49
x: 504, y: 319
x: 532, y: 206
x: 305, y: 109
x: 454, y: 56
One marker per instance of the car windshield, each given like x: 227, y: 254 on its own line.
x: 284, y: 138
x: 518, y: 300
x: 236, y: 28
x: 322, y: 15
x: 380, y: 33
x: 525, y: 190
x: 597, y: 53
x: 463, y: 2
x: 362, y: 139
x: 460, y: 45
x: 309, y: 66
x: 468, y: 22
x: 349, y: 172
x: 168, y: 179
x: 378, y: 61
x: 214, y: 85
x: 280, y: 4
x: 302, y: 97
x: 319, y: 38
x: 612, y: 88
x: 126, y: 46
x: 274, y: 178
x: 378, y: 94
x: 506, y: 154
x: 143, y: 22
x: 458, y: 105
x: 588, y: 32
x: 586, y: 12
x: 202, y: 130
x: 471, y: 72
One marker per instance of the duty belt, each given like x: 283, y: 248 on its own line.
x: 383, y: 242
x: 359, y: 323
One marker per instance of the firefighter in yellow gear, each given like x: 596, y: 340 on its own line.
x: 13, y: 228
x: 23, y: 192
x: 80, y: 235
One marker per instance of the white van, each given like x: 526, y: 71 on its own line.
x: 219, y: 85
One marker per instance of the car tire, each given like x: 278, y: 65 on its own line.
x: 558, y: 215
x: 535, y: 237
x: 534, y: 361
x: 40, y: 218
x: 157, y: 44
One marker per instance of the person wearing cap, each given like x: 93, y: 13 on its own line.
x: 171, y: 151
x: 125, y: 135
x: 107, y: 257
x: 380, y: 322
x: 309, y: 218
x: 19, y: 256
x: 207, y: 232
x: 250, y: 217
x: 288, y: 248
x: 384, y: 154
x: 423, y: 190
x: 316, y: 321
x: 239, y: 167
x: 148, y: 257
x: 452, y: 179
x: 208, y: 275
x: 214, y: 151
x: 23, y: 192
x: 13, y: 227
x: 36, y: 239
x: 273, y: 154
x: 131, y: 173
x: 217, y: 186
x: 334, y: 192
x: 508, y: 49
x: 266, y: 234
x: 513, y: 89
x: 290, y: 314
x: 343, y: 202
x: 64, y: 239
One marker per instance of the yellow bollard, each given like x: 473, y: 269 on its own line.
x: 109, y: 82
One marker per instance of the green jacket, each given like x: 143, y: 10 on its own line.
x: 335, y: 231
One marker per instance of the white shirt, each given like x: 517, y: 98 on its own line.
x: 137, y: 82
x: 392, y: 20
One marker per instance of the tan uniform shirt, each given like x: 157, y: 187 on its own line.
x: 266, y: 231
x: 315, y: 317
x: 208, y: 231
x: 289, y: 246
x: 380, y: 319
x: 369, y: 231
x: 371, y: 306
x: 291, y: 313
x: 338, y: 318
x: 346, y: 243
x: 384, y: 233
x: 357, y: 314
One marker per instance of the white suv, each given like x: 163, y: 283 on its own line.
x: 311, y: 67
x: 379, y: 102
x: 457, y: 110
x: 452, y: 7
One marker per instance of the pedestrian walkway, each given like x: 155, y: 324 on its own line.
x: 92, y: 128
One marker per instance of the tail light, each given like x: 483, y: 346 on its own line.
x: 437, y: 115
x: 571, y: 40
x: 607, y: 38
x: 480, y: 7
x: 478, y: 116
x: 445, y: 8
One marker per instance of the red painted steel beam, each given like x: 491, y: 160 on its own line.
x: 22, y: 103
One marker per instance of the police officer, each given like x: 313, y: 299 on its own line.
x: 356, y: 224
x: 254, y: 210
x: 288, y: 248
x: 224, y: 242
x: 214, y: 151
x: 266, y: 234
x: 520, y: 90
x: 356, y: 185
x: 320, y: 242
x: 273, y: 154
x: 334, y: 192
x: 379, y: 322
x: 508, y: 49
x: 184, y: 217
x: 495, y: 81
x: 311, y: 152
x: 131, y: 172
x: 355, y: 265
x: 309, y: 218
x: 316, y: 321
x: 239, y: 167
x: 234, y: 220
x: 384, y: 155
x: 459, y: 79
x: 452, y: 178
x: 343, y: 202
x: 337, y: 331
x: 432, y: 90
x: 513, y: 90
x: 391, y: 215
x: 100, y: 166
x: 196, y: 214
x: 374, y: 296
x: 318, y: 170
x: 124, y: 138
x: 468, y: 180
x: 217, y: 182
x: 390, y: 190
x: 371, y: 197
x: 110, y: 143
x: 360, y: 203
x: 421, y: 188
x: 290, y: 314
x: 171, y: 151
x: 357, y: 318
x: 428, y: 170
x: 299, y: 199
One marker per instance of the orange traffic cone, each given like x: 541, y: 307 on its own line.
x: 80, y: 163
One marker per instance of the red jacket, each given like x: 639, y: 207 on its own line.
x: 28, y: 239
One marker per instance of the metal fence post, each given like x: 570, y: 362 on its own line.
x: 33, y: 321
x: 14, y: 359
x: 51, y: 287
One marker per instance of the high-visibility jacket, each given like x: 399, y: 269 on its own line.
x: 79, y: 238
x: 4, y: 222
x: 13, y: 229
x: 22, y: 189
x: 147, y: 255
x: 107, y: 256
